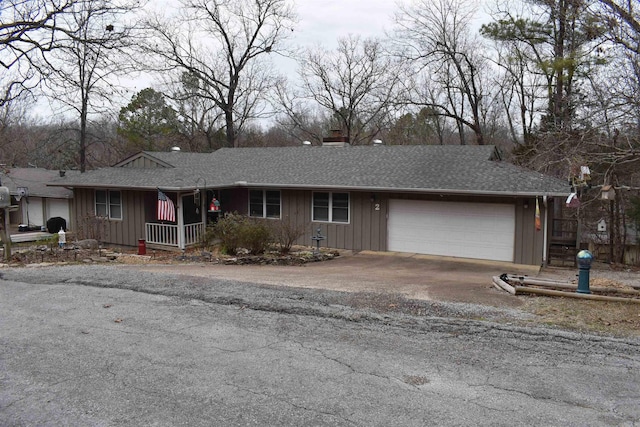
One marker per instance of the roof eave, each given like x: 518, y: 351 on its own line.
x: 403, y: 189
x: 241, y: 184
x: 132, y: 187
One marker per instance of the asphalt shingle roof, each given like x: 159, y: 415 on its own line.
x: 35, y: 179
x: 421, y: 168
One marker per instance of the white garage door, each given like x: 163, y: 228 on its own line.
x: 33, y: 210
x: 467, y: 230
x: 58, y: 207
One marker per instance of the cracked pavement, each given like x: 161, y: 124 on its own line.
x: 107, y: 346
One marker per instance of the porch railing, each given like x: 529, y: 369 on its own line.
x: 193, y: 233
x: 169, y: 234
x: 162, y: 234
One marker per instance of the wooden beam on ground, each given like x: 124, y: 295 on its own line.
x: 573, y: 286
x: 497, y: 281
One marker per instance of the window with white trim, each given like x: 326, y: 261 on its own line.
x: 109, y: 204
x: 264, y: 203
x: 330, y: 207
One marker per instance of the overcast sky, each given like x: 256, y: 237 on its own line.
x: 323, y: 21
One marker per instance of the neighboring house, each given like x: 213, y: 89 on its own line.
x: 36, y: 201
x: 459, y: 201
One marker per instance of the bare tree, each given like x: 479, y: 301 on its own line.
x: 621, y: 79
x: 435, y: 37
x: 521, y: 89
x: 224, y: 44
x: 623, y: 19
x: 356, y: 85
x: 202, y: 120
x: 27, y: 29
x: 299, y: 120
x: 16, y: 132
x: 86, y: 58
x: 553, y: 44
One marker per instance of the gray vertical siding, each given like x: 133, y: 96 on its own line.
x: 366, y: 229
x: 528, y: 240
x: 124, y: 232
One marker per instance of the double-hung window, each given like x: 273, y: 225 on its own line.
x: 109, y: 204
x: 264, y: 203
x: 331, y: 207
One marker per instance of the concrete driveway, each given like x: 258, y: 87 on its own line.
x: 415, y: 276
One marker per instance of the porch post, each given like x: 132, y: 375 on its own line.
x: 180, y: 218
x: 203, y: 207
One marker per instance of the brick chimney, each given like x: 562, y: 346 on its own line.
x: 335, y: 139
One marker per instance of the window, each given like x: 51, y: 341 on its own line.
x: 264, y: 203
x: 331, y: 207
x: 108, y: 204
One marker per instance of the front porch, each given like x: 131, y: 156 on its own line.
x: 174, y: 235
x: 194, y: 211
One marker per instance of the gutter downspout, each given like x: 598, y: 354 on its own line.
x: 545, y: 249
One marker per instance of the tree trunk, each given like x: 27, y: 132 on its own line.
x: 231, y: 130
x: 612, y: 232
x: 83, y: 135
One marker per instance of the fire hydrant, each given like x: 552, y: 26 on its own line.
x: 142, y: 247
x: 584, y: 265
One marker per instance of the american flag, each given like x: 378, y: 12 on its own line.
x: 166, y: 210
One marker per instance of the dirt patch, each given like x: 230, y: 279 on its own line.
x: 606, y: 317
x: 616, y: 318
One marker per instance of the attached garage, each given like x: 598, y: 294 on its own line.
x: 33, y: 211
x: 459, y: 229
x: 58, y: 207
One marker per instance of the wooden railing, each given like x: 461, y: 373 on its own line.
x: 563, y: 245
x: 193, y: 233
x: 564, y: 230
x: 169, y: 234
x: 162, y: 234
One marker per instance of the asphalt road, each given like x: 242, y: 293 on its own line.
x: 107, y: 346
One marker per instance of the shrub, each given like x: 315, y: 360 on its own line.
x: 92, y: 227
x: 237, y: 231
x: 256, y: 236
x: 285, y: 233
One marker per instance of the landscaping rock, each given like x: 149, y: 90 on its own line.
x: 87, y: 244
